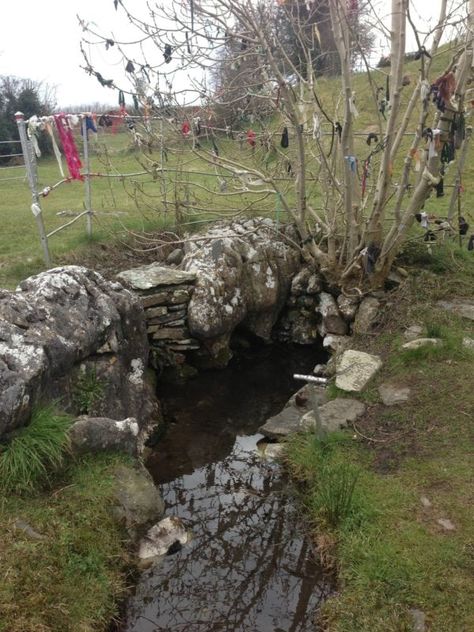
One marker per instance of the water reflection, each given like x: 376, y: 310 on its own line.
x: 247, y: 567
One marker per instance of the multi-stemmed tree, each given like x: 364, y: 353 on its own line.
x: 353, y: 207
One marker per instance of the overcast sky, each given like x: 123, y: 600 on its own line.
x: 39, y: 39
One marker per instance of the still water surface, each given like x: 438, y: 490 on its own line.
x: 248, y: 567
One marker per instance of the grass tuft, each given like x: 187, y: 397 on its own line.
x: 333, y: 497
x: 34, y: 452
x: 88, y: 391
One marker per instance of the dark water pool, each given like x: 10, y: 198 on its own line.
x: 248, y: 567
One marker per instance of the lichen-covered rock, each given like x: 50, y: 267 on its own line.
x: 244, y: 271
x: 331, y: 319
x: 67, y: 331
x: 335, y: 343
x: 99, y: 434
x: 347, y: 306
x: 367, y: 315
x: 153, y: 275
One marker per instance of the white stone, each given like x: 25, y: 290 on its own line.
x: 468, y: 343
x: 426, y: 502
x: 161, y: 536
x: 446, y: 524
x: 421, y: 342
x: 136, y: 374
x: 418, y: 619
x: 128, y: 425
x: 355, y: 369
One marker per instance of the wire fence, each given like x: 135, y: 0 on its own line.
x: 9, y: 162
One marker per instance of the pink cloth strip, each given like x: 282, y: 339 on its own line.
x: 69, y: 146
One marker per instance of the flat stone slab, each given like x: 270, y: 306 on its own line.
x: 392, y: 394
x: 460, y: 307
x: 289, y: 419
x: 154, y: 275
x: 355, y: 369
x: 335, y: 415
x: 421, y: 342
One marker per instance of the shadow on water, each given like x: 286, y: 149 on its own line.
x: 248, y: 567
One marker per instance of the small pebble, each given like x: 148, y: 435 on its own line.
x: 426, y: 502
x: 446, y: 524
x: 418, y: 619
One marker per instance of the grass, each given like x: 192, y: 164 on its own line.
x: 391, y: 553
x: 88, y: 391
x: 72, y: 579
x: 147, y: 202
x: 35, y: 452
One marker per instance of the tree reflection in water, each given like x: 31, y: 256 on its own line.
x: 247, y: 567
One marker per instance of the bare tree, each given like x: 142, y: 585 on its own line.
x: 353, y: 209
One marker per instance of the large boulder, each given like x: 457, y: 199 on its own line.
x: 69, y: 334
x: 244, y: 271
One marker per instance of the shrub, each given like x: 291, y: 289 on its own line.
x: 34, y: 452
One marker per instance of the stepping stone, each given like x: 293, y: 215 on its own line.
x: 391, y: 394
x: 335, y: 415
